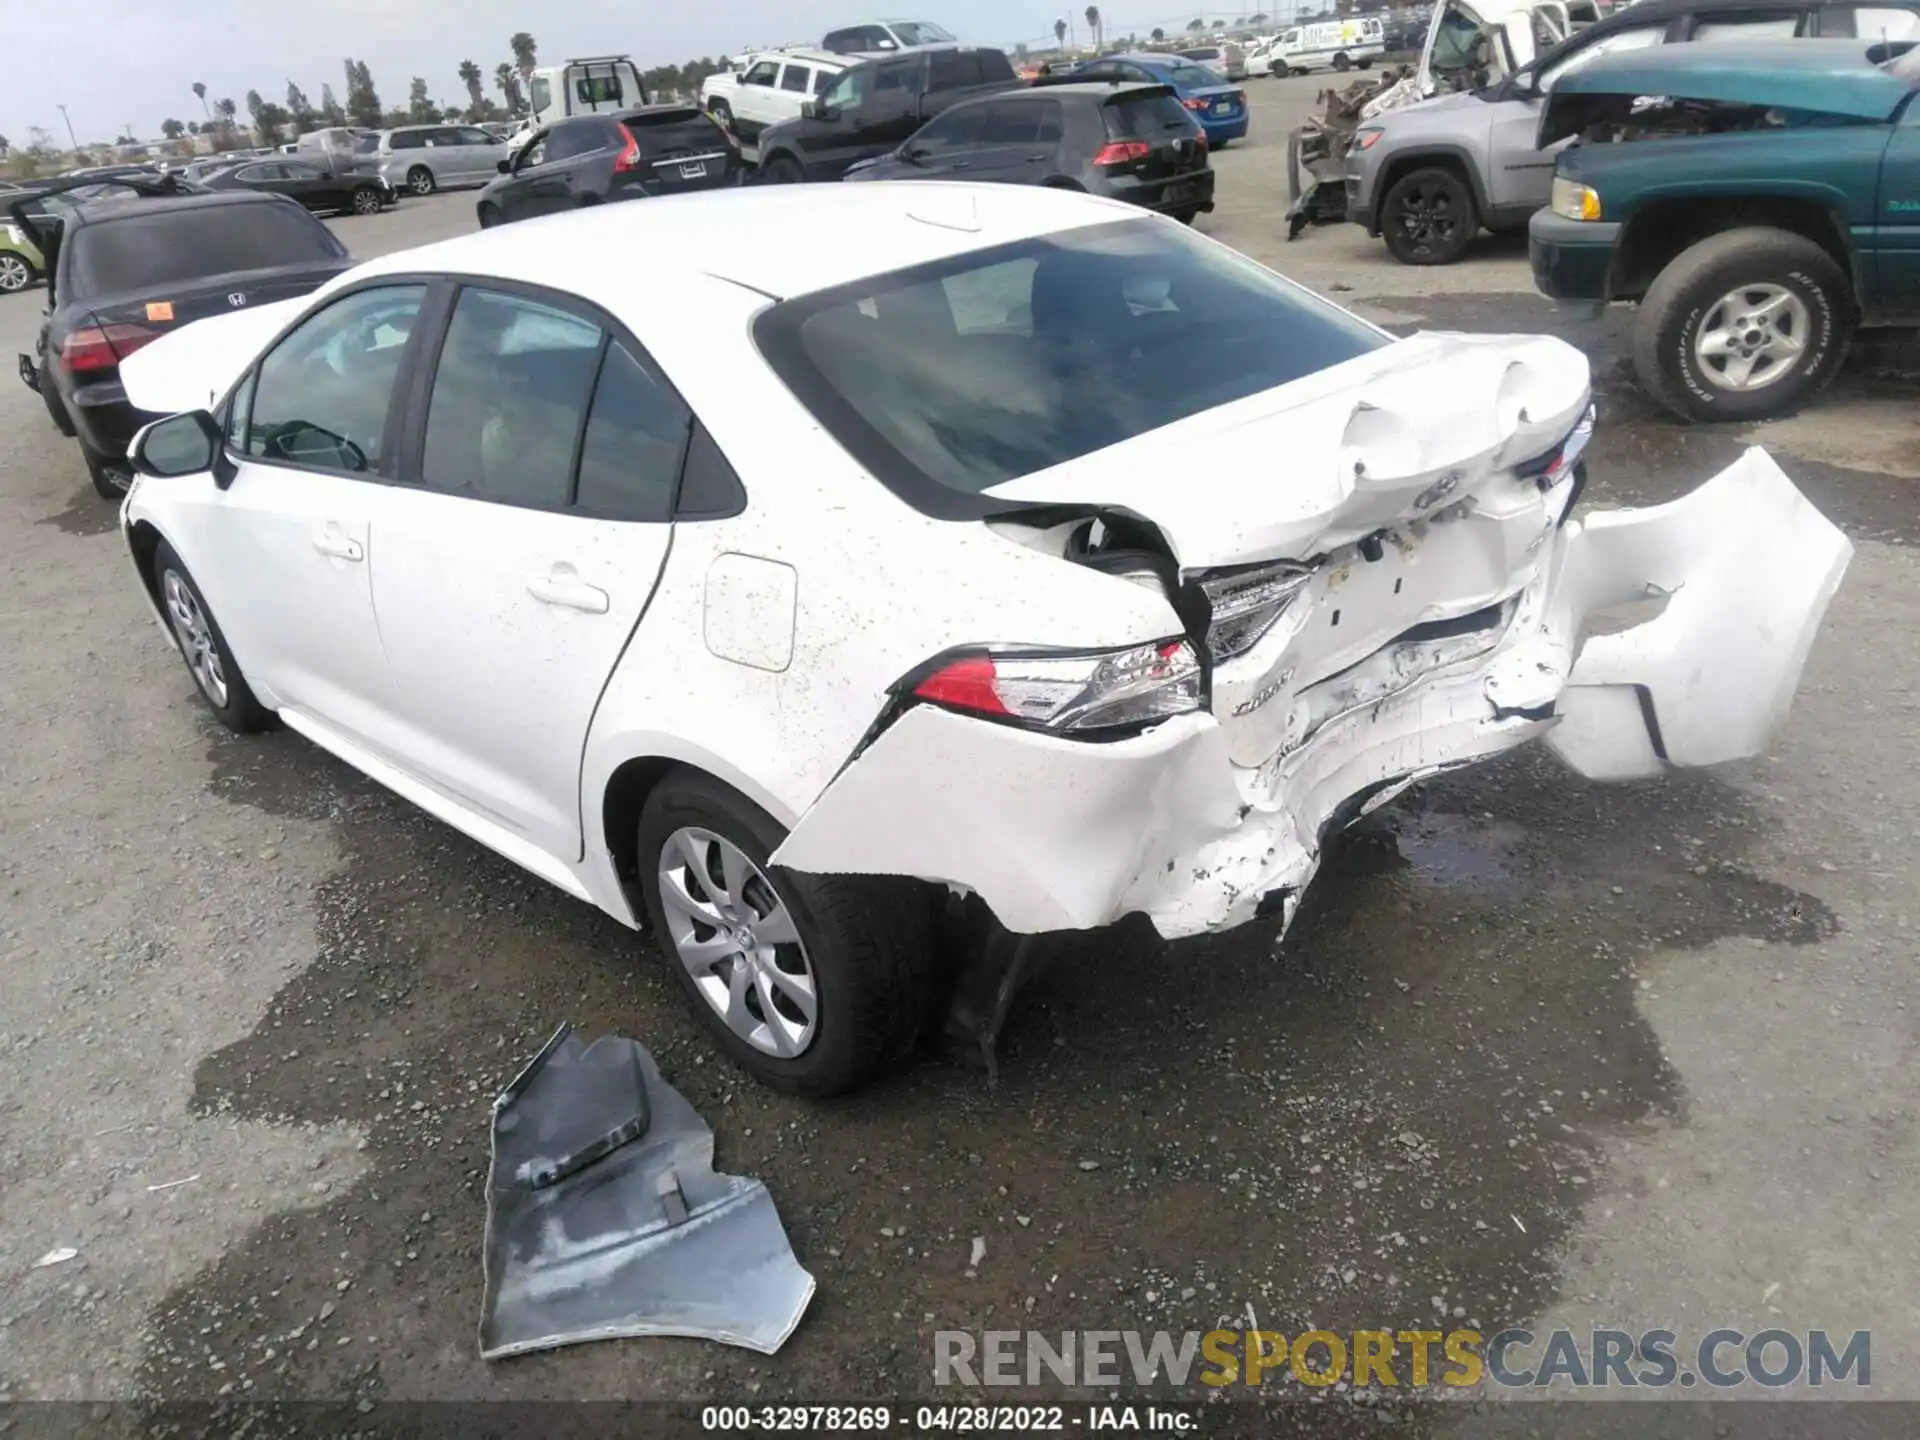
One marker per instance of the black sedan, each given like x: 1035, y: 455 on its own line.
x: 627, y: 155
x: 316, y: 188
x: 127, y: 269
x: 1127, y: 141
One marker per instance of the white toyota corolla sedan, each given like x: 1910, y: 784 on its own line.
x: 774, y: 564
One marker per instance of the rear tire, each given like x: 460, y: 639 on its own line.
x: 1341, y: 62
x: 722, y: 114
x: 217, y: 677
x: 782, y: 170
x: 15, y: 273
x: 1366, y: 64
x: 367, y: 201
x: 420, y: 181
x: 1428, y: 217
x: 1707, y: 289
x: 863, y: 943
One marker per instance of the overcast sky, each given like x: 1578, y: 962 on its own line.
x: 132, y: 62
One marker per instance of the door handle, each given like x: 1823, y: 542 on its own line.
x: 331, y: 542
x: 563, y: 587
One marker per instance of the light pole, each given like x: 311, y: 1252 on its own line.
x: 69, y: 119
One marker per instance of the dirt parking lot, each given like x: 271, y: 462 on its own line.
x: 1538, y: 1052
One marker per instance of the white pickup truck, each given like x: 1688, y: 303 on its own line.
x: 769, y: 88
x: 588, y: 86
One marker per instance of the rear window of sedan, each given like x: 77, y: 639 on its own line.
x: 156, y: 247
x: 982, y: 368
x: 1184, y: 75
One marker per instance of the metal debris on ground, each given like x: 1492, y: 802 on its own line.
x: 1317, y: 153
x: 606, y: 1218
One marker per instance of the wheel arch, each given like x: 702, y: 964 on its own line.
x: 1663, y: 228
x: 1400, y: 164
x: 144, y: 540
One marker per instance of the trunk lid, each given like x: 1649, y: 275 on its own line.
x: 1293, y: 472
x: 677, y: 148
x: 1156, y: 118
x: 191, y: 365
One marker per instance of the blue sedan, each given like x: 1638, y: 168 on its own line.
x: 1220, y: 108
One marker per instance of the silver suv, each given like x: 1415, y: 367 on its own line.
x: 1427, y: 178
x: 423, y: 158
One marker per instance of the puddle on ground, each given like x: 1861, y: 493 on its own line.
x: 86, y: 514
x: 1462, y: 974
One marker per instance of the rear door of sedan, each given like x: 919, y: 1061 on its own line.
x: 543, y: 454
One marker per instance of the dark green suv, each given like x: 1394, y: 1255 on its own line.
x: 1759, y: 200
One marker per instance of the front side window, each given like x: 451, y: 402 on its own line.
x: 541, y: 94
x: 508, y: 400
x: 984, y: 367
x: 849, y: 90
x: 322, y: 395
x: 958, y: 129
x: 822, y: 79
x: 761, y: 74
x: 534, y: 154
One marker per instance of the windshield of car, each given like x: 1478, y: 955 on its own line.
x: 984, y: 367
x: 1185, y: 75
x: 920, y: 32
x: 152, y: 248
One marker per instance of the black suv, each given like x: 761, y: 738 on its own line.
x: 875, y: 106
x: 127, y: 269
x: 1126, y: 141
x: 626, y: 155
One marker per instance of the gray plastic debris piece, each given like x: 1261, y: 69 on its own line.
x: 606, y: 1218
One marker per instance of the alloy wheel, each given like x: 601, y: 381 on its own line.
x: 732, y: 930
x: 196, y: 637
x: 1427, y: 216
x: 421, y: 181
x: 365, y: 202
x: 15, y: 274
x: 1752, y: 337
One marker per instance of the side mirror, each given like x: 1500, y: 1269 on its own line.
x: 913, y: 154
x: 505, y: 167
x: 179, y: 445
x: 885, y: 45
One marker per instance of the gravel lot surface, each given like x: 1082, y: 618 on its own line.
x: 1538, y: 1051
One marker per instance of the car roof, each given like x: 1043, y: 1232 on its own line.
x: 838, y: 234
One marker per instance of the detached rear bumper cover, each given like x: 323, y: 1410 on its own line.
x: 1056, y: 834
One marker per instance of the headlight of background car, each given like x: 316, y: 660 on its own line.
x: 1574, y: 201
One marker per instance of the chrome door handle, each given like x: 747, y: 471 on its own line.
x: 338, y: 546
x: 563, y: 587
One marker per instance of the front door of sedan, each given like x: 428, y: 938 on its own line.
x: 537, y: 187
x: 513, y: 571
x: 315, y: 188
x: 285, y: 553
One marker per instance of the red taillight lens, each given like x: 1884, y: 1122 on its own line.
x: 1071, y: 692
x: 1122, y: 152
x: 103, y: 347
x: 628, y: 159
x: 1193, y: 104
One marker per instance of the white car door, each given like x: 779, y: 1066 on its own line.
x: 284, y: 552
x: 513, y: 570
x: 755, y: 104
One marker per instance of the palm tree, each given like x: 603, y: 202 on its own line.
x: 470, y: 77
x: 200, y: 94
x: 1158, y: 35
x: 1093, y: 24
x: 1060, y: 32
x: 522, y: 45
x: 227, y: 111
x: 1196, y: 25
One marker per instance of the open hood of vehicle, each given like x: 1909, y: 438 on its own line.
x: 1812, y: 77
x: 1400, y: 433
x: 1505, y: 26
x: 191, y: 368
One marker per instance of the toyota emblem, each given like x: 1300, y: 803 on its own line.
x: 236, y: 299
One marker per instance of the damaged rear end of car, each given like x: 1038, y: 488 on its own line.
x: 1366, y: 552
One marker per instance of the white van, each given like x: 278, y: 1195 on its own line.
x: 589, y: 86
x: 1335, y: 44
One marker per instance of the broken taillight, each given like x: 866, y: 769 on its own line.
x: 101, y: 347
x: 1244, y: 604
x: 1075, y: 693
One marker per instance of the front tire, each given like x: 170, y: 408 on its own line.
x: 1428, y: 217
x: 811, y: 983
x: 420, y: 181
x: 1745, y: 324
x: 367, y: 201
x: 489, y: 216
x: 202, y: 645
x: 15, y: 273
x: 782, y: 170
x: 722, y: 114
x: 1280, y: 70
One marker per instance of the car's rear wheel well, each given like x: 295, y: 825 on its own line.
x: 1403, y: 165
x: 627, y: 791
x: 1664, y: 230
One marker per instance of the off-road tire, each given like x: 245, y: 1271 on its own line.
x: 1683, y: 293
x: 868, y: 939
x: 1438, y: 183
x: 242, y: 713
x: 783, y: 170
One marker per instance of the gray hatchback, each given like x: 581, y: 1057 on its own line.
x: 1426, y: 179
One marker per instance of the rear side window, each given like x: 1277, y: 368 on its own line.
x: 953, y: 69
x: 407, y: 140
x: 974, y: 370
x: 795, y: 78
x: 509, y: 398
x: 155, y: 248
x: 636, y: 435
x: 1146, y: 117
